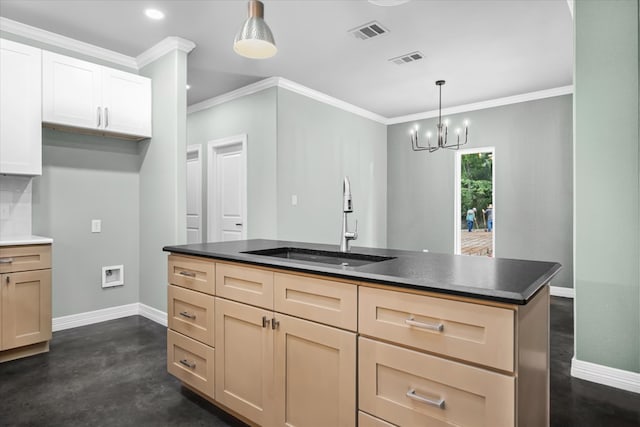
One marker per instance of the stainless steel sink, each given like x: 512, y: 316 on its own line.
x: 321, y: 257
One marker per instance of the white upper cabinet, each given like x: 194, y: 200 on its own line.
x: 20, y: 109
x: 79, y: 94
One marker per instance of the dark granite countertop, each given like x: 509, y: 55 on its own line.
x: 497, y: 279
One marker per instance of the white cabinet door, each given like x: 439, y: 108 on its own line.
x: 72, y: 91
x: 126, y: 99
x: 20, y: 109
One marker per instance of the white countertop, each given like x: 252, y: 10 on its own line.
x: 24, y: 240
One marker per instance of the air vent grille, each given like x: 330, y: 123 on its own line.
x: 407, y: 58
x: 369, y: 31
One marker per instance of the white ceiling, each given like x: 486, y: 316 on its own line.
x: 484, y: 49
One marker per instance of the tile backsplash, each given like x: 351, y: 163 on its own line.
x: 15, y: 206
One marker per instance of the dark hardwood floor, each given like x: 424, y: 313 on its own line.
x: 114, y: 374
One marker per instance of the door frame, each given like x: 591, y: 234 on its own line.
x: 457, y: 193
x: 213, y: 148
x: 190, y: 149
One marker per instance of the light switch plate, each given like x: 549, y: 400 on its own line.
x: 96, y: 226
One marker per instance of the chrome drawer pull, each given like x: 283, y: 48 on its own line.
x: 99, y: 116
x: 6, y: 260
x: 187, y: 273
x: 430, y: 326
x: 188, y: 364
x: 411, y: 394
x: 106, y: 117
x: 187, y: 315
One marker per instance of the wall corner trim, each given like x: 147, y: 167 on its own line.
x: 111, y: 313
x: 64, y: 42
x: 612, y: 377
x: 559, y: 291
x: 160, y: 49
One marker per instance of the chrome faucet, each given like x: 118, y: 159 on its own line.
x: 347, y: 207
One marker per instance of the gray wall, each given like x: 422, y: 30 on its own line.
x: 85, y: 178
x: 317, y: 146
x: 163, y: 176
x: 254, y: 115
x: 533, y: 183
x: 607, y: 182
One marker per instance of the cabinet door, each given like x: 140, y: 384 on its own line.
x: 244, y: 360
x: 26, y: 308
x: 20, y: 109
x: 126, y: 99
x: 315, y: 374
x: 71, y: 92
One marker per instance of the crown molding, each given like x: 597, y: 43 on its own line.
x: 64, y: 42
x: 330, y: 100
x: 291, y: 86
x: 234, y: 94
x: 499, y: 102
x: 160, y: 49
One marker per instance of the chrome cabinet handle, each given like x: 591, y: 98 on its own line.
x: 265, y: 321
x: 187, y: 315
x: 411, y: 394
x: 6, y: 260
x: 188, y: 364
x: 106, y: 117
x: 99, y: 116
x: 430, y: 326
x: 275, y: 324
x: 239, y: 224
x: 187, y: 273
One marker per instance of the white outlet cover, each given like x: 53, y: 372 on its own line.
x: 96, y: 226
x: 112, y: 275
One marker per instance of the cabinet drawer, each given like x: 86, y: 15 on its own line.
x: 245, y: 284
x: 410, y: 388
x: 473, y: 332
x: 366, y: 420
x: 192, y: 273
x: 191, y: 362
x: 324, y: 301
x: 191, y: 314
x: 24, y: 258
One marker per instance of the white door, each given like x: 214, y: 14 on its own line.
x: 227, y: 189
x: 194, y: 194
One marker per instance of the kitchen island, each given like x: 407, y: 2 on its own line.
x: 289, y: 333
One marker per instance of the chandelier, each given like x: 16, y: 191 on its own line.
x: 442, y: 132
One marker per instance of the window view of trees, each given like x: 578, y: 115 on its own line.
x: 476, y: 187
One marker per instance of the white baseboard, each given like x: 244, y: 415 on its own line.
x: 601, y: 374
x: 153, y: 314
x: 559, y: 291
x: 111, y: 313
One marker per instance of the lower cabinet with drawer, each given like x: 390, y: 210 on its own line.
x: 294, y: 349
x: 25, y: 300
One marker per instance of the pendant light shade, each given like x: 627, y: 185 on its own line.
x: 255, y: 40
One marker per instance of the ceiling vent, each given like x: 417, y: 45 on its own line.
x: 407, y: 58
x: 369, y: 31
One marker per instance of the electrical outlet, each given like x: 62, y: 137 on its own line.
x: 96, y: 226
x: 294, y: 200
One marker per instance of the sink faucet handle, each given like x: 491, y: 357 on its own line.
x: 355, y: 232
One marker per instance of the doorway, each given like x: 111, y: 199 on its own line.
x: 194, y: 194
x: 227, y: 189
x: 474, y: 211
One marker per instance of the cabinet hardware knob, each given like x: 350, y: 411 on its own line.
x: 188, y: 364
x: 187, y: 315
x: 275, y: 324
x: 99, y: 116
x: 411, y: 394
x: 438, y: 327
x: 6, y: 260
x: 265, y: 321
x: 187, y: 273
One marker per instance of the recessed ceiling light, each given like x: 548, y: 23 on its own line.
x: 388, y: 2
x: 154, y: 14
x: 188, y: 87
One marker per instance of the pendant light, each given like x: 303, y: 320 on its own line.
x: 255, y: 40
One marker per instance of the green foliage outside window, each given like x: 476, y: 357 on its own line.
x: 476, y: 188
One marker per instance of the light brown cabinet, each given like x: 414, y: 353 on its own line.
x: 294, y: 349
x: 25, y: 300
